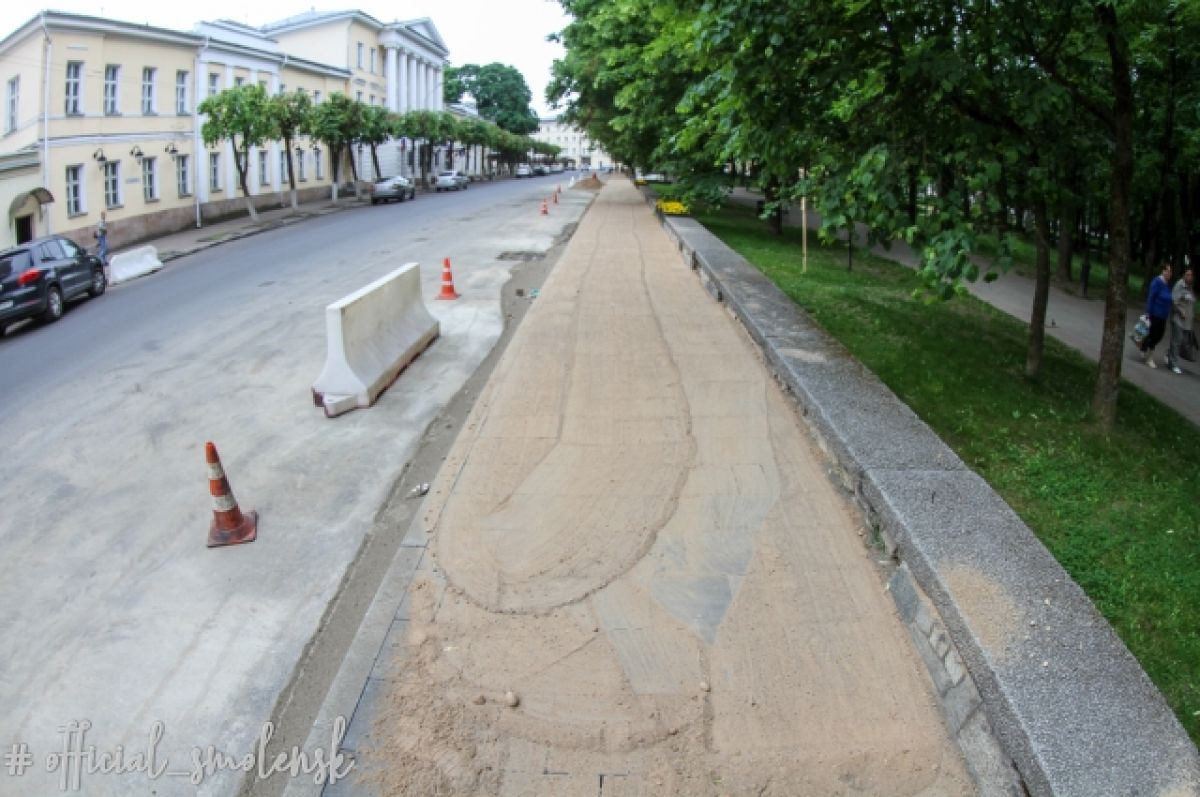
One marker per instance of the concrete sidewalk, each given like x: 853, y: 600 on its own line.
x: 633, y: 573
x: 1075, y: 321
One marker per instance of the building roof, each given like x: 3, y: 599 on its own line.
x: 422, y: 27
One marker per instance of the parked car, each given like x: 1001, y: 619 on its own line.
x: 524, y: 171
x: 540, y: 170
x: 388, y: 188
x: 556, y: 168
x: 39, y: 277
x: 451, y: 181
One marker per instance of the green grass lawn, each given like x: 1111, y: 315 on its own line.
x: 1119, y: 512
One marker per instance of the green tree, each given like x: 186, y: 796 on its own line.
x: 335, y: 123
x: 239, y: 116
x: 500, y: 91
x: 377, y: 126
x: 426, y: 129
x: 289, y: 113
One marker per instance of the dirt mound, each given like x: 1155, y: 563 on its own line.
x: 590, y: 183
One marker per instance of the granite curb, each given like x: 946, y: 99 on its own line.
x: 1066, y: 709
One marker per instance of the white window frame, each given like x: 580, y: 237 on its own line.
x: 316, y: 98
x: 112, y: 89
x: 264, y: 168
x: 182, y: 78
x: 75, y: 204
x: 300, y: 177
x: 73, y: 105
x: 372, y: 60
x: 214, y: 171
x: 283, y: 170
x: 214, y: 84
x: 150, y: 179
x: 183, y: 175
x: 12, y: 106
x: 317, y: 163
x: 149, y: 95
x: 112, y: 184
x: 360, y: 55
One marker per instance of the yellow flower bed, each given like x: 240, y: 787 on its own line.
x: 672, y: 207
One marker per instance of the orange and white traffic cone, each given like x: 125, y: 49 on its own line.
x: 545, y: 208
x: 229, y: 526
x: 448, y: 291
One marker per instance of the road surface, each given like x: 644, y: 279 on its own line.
x: 116, y: 613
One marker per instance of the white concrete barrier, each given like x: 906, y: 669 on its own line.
x: 372, y: 334
x: 133, y: 263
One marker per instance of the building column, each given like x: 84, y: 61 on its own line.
x: 431, y: 97
x: 402, y: 82
x: 390, y: 76
x: 439, y: 90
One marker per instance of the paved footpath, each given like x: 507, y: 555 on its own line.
x: 637, y: 577
x: 1075, y: 321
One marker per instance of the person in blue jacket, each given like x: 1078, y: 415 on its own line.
x: 1158, y: 307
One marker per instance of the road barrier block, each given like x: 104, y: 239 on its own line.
x: 372, y: 335
x: 134, y: 263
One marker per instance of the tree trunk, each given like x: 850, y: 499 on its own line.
x: 1002, y: 200
x: 375, y: 161
x: 1041, y: 292
x: 775, y: 220
x: 1066, y: 236
x: 1112, y: 344
x: 335, y: 157
x: 291, y: 175
x: 241, y: 163
x: 912, y: 194
x: 354, y: 174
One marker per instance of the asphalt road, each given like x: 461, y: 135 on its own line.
x: 117, y: 613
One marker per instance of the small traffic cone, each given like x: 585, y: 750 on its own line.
x: 229, y: 526
x: 545, y: 208
x: 556, y: 197
x: 448, y: 291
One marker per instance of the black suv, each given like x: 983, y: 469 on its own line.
x: 38, y: 277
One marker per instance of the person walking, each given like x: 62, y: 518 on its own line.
x: 102, y: 237
x: 1158, y: 307
x: 1183, y: 306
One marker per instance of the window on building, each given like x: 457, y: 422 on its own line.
x: 283, y: 168
x: 239, y: 81
x: 74, y: 87
x: 372, y: 60
x: 262, y: 84
x: 148, y: 75
x: 300, y: 167
x: 112, y: 184
x: 183, y: 178
x: 214, y: 84
x: 149, y: 179
x: 372, y: 99
x: 316, y: 98
x: 360, y: 55
x: 264, y: 170
x: 358, y: 96
x: 214, y: 171
x: 112, y: 81
x: 181, y: 92
x: 13, y: 102
x: 317, y: 163
x: 74, y: 190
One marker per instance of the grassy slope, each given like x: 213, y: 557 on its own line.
x: 1120, y: 513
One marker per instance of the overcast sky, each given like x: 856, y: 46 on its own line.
x: 476, y: 31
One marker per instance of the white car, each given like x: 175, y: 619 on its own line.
x: 524, y: 171
x: 451, y: 181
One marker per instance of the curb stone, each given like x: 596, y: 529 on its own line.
x: 1066, y: 709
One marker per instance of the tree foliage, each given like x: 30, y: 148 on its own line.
x: 500, y: 93
x: 238, y: 115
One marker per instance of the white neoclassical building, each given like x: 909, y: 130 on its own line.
x: 577, y: 147
x: 397, y: 64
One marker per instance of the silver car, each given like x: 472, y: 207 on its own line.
x: 397, y: 188
x: 451, y: 181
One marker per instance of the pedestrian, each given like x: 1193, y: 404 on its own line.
x: 1158, y: 307
x: 102, y: 237
x: 1183, y: 305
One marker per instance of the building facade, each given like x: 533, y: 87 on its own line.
x: 101, y: 116
x: 578, y: 149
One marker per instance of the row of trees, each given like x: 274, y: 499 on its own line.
x: 247, y: 117
x: 929, y: 120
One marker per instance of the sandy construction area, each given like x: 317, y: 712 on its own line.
x: 645, y: 582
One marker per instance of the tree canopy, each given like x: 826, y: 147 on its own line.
x: 931, y: 121
x: 500, y: 93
